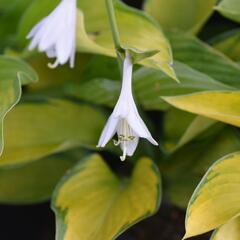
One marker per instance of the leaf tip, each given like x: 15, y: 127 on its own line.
x: 167, y: 98
x: 186, y: 236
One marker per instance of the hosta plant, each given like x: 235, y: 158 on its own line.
x: 85, y: 84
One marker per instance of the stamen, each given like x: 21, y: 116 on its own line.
x: 116, y: 142
x: 131, y: 138
x: 125, y: 135
x: 53, y: 65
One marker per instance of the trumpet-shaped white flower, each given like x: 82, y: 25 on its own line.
x: 125, y: 119
x: 56, y: 34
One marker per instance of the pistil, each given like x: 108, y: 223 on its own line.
x: 53, y: 65
x: 125, y: 135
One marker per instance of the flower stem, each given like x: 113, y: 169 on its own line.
x: 113, y: 24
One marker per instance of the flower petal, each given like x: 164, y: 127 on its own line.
x: 122, y: 107
x: 36, y: 28
x: 51, y: 52
x: 137, y: 124
x: 108, y: 131
x: 56, y: 33
x: 36, y: 34
x: 66, y: 44
x: 131, y: 146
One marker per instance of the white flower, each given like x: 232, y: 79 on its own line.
x: 56, y: 34
x: 125, y: 119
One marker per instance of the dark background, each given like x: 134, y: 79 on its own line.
x: 37, y: 222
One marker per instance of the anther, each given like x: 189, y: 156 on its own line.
x: 116, y: 142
